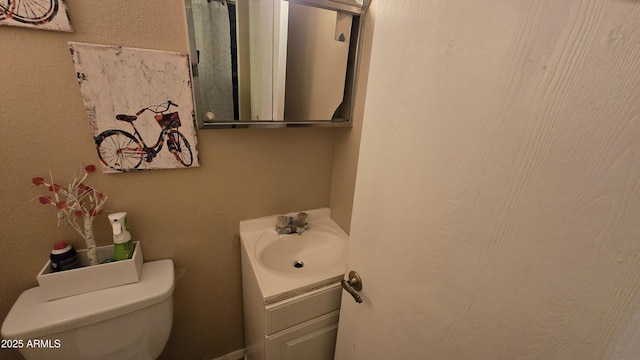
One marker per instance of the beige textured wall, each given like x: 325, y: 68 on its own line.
x: 188, y: 215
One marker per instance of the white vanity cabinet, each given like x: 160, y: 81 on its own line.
x: 301, y: 327
x: 291, y: 288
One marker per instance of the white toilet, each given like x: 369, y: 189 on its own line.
x: 125, y: 322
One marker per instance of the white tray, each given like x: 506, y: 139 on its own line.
x: 61, y: 284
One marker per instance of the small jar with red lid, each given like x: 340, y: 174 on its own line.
x: 63, y: 257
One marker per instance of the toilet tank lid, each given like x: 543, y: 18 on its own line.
x: 31, y: 316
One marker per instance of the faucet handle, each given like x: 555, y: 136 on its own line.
x: 301, y: 218
x: 301, y: 223
x: 283, y: 222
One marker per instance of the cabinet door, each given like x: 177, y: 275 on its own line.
x: 311, y: 340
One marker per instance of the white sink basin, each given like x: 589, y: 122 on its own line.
x: 313, y: 252
x: 288, y: 264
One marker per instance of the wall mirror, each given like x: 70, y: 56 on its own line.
x: 274, y: 63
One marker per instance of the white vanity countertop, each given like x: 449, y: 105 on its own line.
x: 275, y: 285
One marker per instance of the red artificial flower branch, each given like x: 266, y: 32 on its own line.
x: 75, y: 202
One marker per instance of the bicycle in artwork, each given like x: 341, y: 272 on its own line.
x: 33, y: 12
x: 123, y: 151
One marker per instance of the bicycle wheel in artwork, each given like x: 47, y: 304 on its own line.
x: 140, y: 107
x: 36, y: 14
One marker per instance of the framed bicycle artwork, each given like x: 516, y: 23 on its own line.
x: 36, y: 14
x: 140, y: 107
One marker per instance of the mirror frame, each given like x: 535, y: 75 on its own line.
x: 351, y: 79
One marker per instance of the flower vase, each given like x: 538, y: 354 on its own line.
x: 90, y: 240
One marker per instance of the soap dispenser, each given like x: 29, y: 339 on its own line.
x: 123, y: 246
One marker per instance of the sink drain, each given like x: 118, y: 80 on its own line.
x: 298, y: 264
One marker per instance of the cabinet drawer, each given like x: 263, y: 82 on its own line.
x: 299, y: 309
x: 312, y: 340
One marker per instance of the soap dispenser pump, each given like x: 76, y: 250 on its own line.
x: 123, y: 246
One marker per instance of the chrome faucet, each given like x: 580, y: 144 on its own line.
x: 291, y: 225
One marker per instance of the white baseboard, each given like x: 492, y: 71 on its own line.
x: 234, y: 355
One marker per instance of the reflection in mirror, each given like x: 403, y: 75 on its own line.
x: 215, y: 65
x: 317, y: 53
x: 217, y: 60
x: 271, y: 62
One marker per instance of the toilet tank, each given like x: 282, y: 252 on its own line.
x: 124, y: 322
